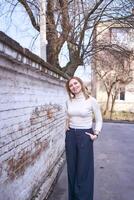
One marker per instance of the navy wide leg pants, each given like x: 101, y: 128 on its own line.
x: 80, y: 164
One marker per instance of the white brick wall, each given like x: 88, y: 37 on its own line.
x: 32, y: 124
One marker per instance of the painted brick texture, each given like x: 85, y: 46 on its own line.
x: 32, y: 123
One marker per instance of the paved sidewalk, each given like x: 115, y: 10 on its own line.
x: 114, y: 165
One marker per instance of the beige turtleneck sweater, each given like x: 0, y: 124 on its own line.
x: 80, y: 113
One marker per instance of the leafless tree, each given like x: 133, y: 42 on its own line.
x: 73, y: 22
x: 114, y: 70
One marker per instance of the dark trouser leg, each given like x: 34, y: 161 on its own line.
x: 70, y: 146
x: 85, y: 167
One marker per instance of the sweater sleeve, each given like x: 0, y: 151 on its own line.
x: 97, y: 114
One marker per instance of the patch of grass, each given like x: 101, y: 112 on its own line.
x: 123, y: 116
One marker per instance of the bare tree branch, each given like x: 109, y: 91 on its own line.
x: 30, y: 14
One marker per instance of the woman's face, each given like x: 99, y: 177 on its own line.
x: 74, y: 86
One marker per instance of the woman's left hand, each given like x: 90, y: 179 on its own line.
x: 93, y: 137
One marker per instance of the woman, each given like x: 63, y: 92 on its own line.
x: 79, y: 139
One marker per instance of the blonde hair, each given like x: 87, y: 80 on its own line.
x: 84, y: 88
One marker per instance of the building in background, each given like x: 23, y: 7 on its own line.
x: 113, y: 66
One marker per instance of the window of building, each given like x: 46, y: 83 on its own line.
x: 121, y: 94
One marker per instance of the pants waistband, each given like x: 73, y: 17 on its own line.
x: 80, y: 128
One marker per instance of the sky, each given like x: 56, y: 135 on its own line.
x: 18, y: 27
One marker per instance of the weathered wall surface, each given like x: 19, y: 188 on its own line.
x: 32, y: 122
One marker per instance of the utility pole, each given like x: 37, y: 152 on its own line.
x: 43, y: 41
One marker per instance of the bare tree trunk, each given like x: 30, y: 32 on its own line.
x: 51, y: 35
x: 71, y: 67
x: 107, y: 104
x: 112, y: 105
x: 56, y: 40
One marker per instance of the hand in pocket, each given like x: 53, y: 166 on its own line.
x: 92, y: 137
